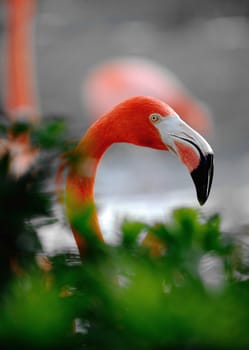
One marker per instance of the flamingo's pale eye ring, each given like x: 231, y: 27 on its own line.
x: 155, y: 117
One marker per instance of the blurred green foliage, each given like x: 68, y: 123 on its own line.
x: 180, y: 284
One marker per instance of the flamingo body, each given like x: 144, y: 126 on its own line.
x: 120, y: 79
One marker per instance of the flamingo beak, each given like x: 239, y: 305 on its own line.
x: 193, y: 151
x: 203, y: 177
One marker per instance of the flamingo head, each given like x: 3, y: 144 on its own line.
x: 151, y: 123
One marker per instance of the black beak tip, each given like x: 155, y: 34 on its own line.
x: 202, y: 201
x: 202, y: 177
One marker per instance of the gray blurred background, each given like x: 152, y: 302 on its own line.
x: 205, y: 43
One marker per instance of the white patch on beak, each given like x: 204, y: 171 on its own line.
x: 173, y: 128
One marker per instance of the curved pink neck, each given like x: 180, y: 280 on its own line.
x: 81, y: 180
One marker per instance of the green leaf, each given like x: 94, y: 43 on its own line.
x: 130, y: 232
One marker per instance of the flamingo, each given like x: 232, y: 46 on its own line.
x: 20, y: 90
x: 20, y: 94
x: 121, y: 78
x: 142, y: 121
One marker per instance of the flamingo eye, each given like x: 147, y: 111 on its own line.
x: 155, y: 117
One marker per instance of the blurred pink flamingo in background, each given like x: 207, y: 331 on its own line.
x: 117, y: 79
x: 20, y: 99
x: 20, y: 84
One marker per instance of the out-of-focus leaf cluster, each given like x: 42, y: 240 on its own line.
x: 23, y: 194
x: 176, y: 284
